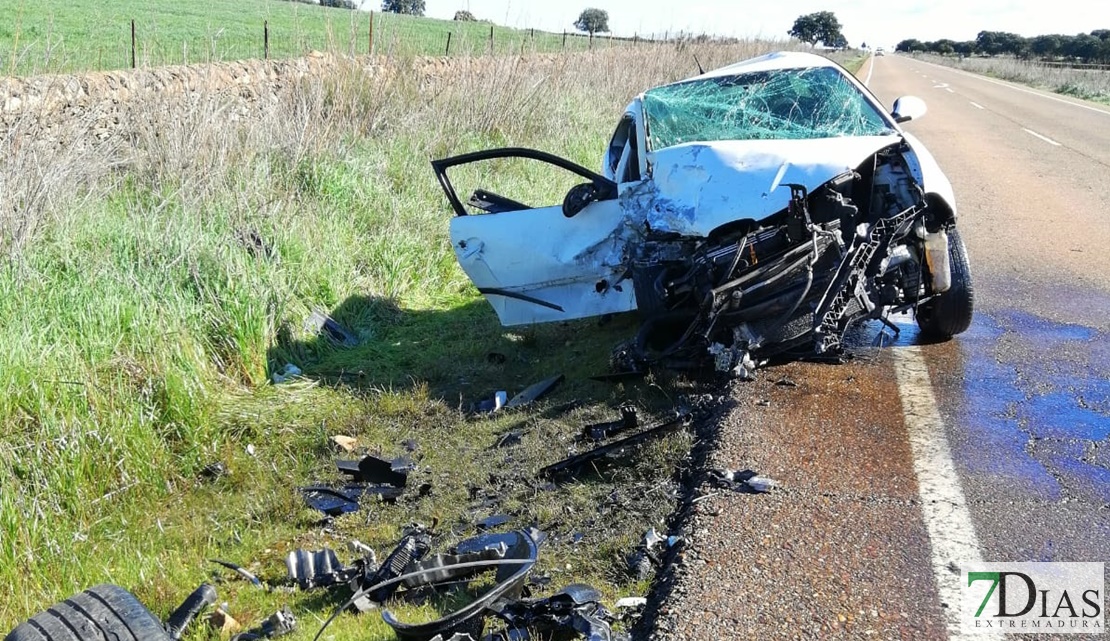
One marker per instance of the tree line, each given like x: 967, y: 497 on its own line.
x: 1084, y: 47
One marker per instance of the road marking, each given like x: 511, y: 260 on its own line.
x: 1021, y: 89
x: 867, y: 80
x: 952, y: 536
x: 976, y: 105
x: 949, y: 90
x: 1044, y: 138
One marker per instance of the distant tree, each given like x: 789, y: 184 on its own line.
x: 965, y: 48
x: 821, y: 26
x: 1101, y: 34
x: 1085, y: 47
x: 410, y: 7
x: 592, y: 21
x: 838, y: 41
x: 909, y: 45
x: 339, y: 4
x: 1045, y: 46
x: 943, y: 46
x: 465, y: 16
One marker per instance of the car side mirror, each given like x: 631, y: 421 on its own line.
x: 579, y: 197
x: 908, y: 108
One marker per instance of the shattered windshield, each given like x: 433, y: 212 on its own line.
x: 783, y: 104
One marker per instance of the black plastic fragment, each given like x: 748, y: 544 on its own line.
x: 319, y: 569
x: 371, y: 469
x: 600, y: 431
x: 619, y: 377
x: 576, y: 609
x: 202, y: 597
x: 335, y: 501
x: 326, y: 326
x: 577, y: 461
x: 469, y: 619
x: 534, y: 392
x: 491, y: 522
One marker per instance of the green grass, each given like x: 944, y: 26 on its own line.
x: 82, y: 35
x: 138, y: 331
x: 1087, y: 84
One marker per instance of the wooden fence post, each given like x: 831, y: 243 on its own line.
x: 132, y: 43
x: 564, y: 38
x: 370, y: 40
x: 491, y: 40
x: 447, y: 51
x: 266, y: 39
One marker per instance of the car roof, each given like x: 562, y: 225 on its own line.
x: 770, y: 61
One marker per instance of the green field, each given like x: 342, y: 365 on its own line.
x: 81, y: 35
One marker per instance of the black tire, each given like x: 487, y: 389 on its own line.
x: 102, y: 613
x: 950, y: 313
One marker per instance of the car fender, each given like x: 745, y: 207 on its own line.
x: 927, y: 173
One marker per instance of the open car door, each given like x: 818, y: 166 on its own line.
x: 538, y: 264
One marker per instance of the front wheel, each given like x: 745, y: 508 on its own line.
x: 948, y: 314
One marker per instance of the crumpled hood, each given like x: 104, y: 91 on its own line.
x: 697, y: 187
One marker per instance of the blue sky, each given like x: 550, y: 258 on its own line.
x: 878, y: 22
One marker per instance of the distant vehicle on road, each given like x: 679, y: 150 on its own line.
x: 880, y: 52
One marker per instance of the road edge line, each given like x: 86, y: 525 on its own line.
x: 952, y: 538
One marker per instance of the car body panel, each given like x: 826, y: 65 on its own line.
x: 698, y: 187
x: 574, y: 265
x: 538, y: 265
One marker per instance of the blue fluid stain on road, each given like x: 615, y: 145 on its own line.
x: 1036, y: 403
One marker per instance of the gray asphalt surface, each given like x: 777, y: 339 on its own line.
x: 841, y: 550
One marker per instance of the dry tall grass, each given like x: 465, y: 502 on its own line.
x: 1090, y: 84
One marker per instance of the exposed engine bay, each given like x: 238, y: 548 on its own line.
x: 791, y: 284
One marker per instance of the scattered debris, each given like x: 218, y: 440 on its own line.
x: 241, y: 571
x: 371, y: 469
x: 786, y: 382
x: 601, y: 431
x: 512, y: 563
x: 334, y: 501
x: 318, y: 569
x: 649, y: 554
x: 491, y: 405
x: 221, y: 621
x: 214, y: 471
x: 201, y: 598
x: 534, y: 392
x: 286, y: 373
x: 619, y: 377
x: 576, y: 609
x: 630, y: 602
x: 742, y: 481
x: 324, y: 325
x: 250, y: 449
x: 345, y: 443
x: 277, y: 624
x: 577, y: 461
x: 491, y: 522
x: 508, y: 439
x: 253, y: 242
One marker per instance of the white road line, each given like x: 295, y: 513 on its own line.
x: 952, y: 536
x: 1021, y: 89
x: 1044, y: 138
x: 976, y: 105
x: 949, y: 90
x: 867, y: 80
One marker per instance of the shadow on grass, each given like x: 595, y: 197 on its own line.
x: 458, y: 352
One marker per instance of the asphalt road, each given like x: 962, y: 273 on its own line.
x: 898, y: 466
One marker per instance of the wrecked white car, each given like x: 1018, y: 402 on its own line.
x: 758, y: 209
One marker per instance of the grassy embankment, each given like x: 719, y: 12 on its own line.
x: 138, y: 328
x: 81, y: 35
x: 1088, y: 84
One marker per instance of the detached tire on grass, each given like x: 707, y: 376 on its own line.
x: 101, y: 613
x: 950, y: 313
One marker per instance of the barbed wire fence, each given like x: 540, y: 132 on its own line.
x: 141, y: 46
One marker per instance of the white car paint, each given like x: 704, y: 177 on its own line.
x: 576, y: 266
